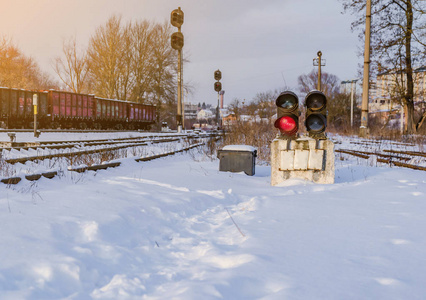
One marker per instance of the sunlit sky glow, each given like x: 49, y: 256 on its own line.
x: 258, y: 45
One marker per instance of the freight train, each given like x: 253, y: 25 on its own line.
x: 59, y: 109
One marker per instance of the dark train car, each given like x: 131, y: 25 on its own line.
x: 141, y: 116
x: 59, y: 109
x: 110, y: 113
x: 17, y: 109
x: 71, y: 110
x: 118, y: 114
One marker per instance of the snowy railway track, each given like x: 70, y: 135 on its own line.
x: 93, y: 154
x: 87, y: 143
x: 371, y: 149
x: 103, y: 166
x: 106, y: 145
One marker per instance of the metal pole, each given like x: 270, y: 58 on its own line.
x: 35, y: 120
x: 217, y: 111
x: 179, y: 104
x: 35, y: 102
x: 181, y: 92
x: 319, y: 70
x: 363, y: 130
x: 183, y: 111
x: 352, y: 103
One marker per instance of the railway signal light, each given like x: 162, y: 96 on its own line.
x: 316, y: 114
x: 177, y: 40
x: 217, y: 86
x: 176, y: 17
x: 217, y: 75
x: 287, y: 114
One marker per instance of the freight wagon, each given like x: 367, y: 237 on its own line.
x: 58, y: 109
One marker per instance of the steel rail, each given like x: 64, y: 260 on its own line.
x: 33, y: 177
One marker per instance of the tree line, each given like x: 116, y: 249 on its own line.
x: 21, y: 71
x: 130, y: 61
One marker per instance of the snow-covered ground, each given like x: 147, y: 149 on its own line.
x: 165, y: 229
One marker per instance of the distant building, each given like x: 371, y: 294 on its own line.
x: 229, y: 120
x: 389, y: 85
x: 204, y: 114
x: 385, y: 102
x: 191, y: 111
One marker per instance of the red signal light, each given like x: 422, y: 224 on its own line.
x: 287, y: 114
x: 217, y: 86
x: 287, y: 125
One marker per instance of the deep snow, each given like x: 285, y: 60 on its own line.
x: 162, y: 230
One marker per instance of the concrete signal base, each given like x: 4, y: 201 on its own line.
x: 303, y: 158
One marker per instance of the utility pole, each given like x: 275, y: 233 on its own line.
x: 363, y: 130
x: 319, y: 62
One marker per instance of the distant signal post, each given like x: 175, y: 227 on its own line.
x: 218, y: 89
x: 319, y: 62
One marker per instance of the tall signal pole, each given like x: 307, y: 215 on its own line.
x: 218, y: 89
x: 319, y: 62
x: 176, y: 19
x: 363, y: 130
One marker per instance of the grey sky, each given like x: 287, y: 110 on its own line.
x: 258, y: 45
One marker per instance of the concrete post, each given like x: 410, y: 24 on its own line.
x: 303, y: 158
x: 363, y: 130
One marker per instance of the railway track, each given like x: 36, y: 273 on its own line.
x: 102, y: 166
x: 375, y: 150
x: 81, y: 143
x: 50, y: 145
x: 105, y: 145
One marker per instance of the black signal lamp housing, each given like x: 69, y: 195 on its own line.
x: 287, y: 114
x: 316, y: 114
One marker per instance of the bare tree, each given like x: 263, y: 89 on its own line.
x: 265, y: 101
x: 164, y: 65
x: 339, y: 105
x: 73, y: 68
x: 329, y: 83
x: 142, y: 60
x: 397, y: 42
x: 164, y: 72
x: 106, y: 49
x: 134, y: 62
x: 20, y: 71
x: 235, y: 108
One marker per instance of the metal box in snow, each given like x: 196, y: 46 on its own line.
x: 237, y: 158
